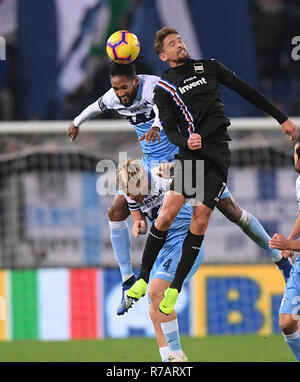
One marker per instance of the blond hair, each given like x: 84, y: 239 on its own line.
x: 129, y: 176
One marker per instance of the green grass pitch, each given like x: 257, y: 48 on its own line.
x: 247, y: 348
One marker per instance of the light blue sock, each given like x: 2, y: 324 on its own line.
x: 164, y: 353
x: 171, y: 332
x: 293, y: 341
x: 120, y: 240
x: 255, y: 231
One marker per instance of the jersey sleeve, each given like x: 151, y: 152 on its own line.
x: 228, y: 78
x: 132, y: 205
x: 89, y: 112
x: 107, y: 100
x: 223, y: 74
x: 167, y: 117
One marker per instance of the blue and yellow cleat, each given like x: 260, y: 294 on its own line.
x: 167, y: 304
x: 123, y: 308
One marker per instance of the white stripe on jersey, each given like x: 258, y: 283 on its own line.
x: 152, y: 203
x: 141, y: 109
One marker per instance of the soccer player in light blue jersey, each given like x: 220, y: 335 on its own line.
x: 289, y: 312
x: 131, y: 96
x: 144, y: 193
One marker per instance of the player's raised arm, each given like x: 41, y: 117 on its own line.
x: 91, y: 111
x: 252, y: 95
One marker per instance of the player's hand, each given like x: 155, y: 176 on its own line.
x: 73, y: 132
x: 139, y: 228
x: 290, y: 128
x: 287, y: 253
x: 164, y: 170
x: 150, y: 136
x: 278, y: 241
x: 194, y: 142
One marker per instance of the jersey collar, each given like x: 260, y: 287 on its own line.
x: 140, y: 90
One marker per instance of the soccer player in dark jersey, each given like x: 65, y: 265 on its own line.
x: 192, y: 115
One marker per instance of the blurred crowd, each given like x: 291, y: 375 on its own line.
x: 275, y: 23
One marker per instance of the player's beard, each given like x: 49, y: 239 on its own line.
x: 182, y: 60
x: 131, y: 98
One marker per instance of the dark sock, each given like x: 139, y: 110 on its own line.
x: 190, y: 250
x: 129, y: 281
x: 155, y: 241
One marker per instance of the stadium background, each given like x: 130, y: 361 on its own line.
x: 58, y: 277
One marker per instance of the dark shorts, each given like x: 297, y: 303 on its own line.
x: 201, y: 179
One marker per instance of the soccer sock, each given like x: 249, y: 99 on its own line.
x: 171, y: 332
x: 164, y: 353
x: 255, y: 231
x: 190, y: 250
x: 120, y: 240
x: 155, y: 241
x: 293, y: 341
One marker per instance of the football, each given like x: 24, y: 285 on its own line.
x: 123, y: 47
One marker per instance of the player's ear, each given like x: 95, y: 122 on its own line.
x: 136, y: 81
x: 162, y: 56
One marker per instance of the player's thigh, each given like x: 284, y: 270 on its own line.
x: 118, y: 210
x: 166, y: 263
x: 171, y: 206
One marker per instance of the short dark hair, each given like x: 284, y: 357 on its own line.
x: 126, y: 70
x: 160, y: 36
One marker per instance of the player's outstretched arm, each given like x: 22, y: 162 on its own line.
x: 290, y: 128
x: 91, y: 111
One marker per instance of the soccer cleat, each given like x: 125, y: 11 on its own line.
x: 285, y: 266
x: 123, y: 307
x: 138, y: 290
x: 167, y: 304
x: 173, y: 358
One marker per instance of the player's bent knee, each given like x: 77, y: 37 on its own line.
x: 164, y: 221
x: 117, y: 214
x: 155, y: 295
x: 287, y: 323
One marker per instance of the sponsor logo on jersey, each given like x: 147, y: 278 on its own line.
x: 189, y: 79
x: 185, y: 88
x: 198, y: 67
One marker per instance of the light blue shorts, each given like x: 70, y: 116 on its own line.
x: 226, y: 193
x: 290, y: 302
x: 168, y: 258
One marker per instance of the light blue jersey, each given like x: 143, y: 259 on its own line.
x: 141, y: 116
x: 290, y: 302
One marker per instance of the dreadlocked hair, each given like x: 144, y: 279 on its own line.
x: 126, y: 70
